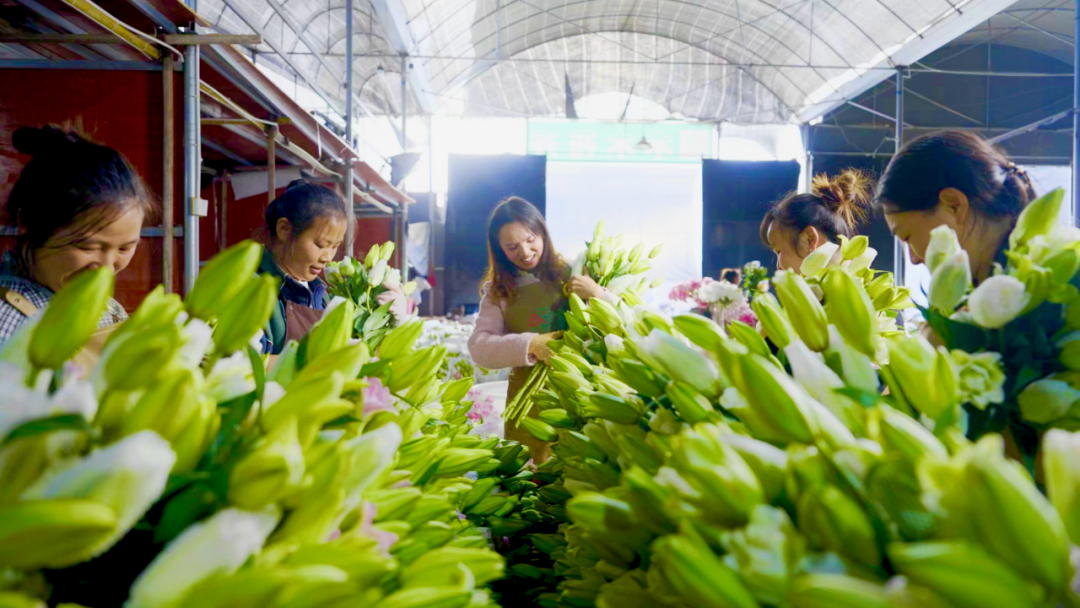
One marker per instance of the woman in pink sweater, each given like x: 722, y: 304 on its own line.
x: 523, y: 306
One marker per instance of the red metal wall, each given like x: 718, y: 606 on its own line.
x: 121, y: 109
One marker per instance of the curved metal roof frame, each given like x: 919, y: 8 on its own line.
x: 807, y: 55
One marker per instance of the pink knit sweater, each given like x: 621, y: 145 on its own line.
x: 491, y: 346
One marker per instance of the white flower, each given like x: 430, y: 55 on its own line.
x: 371, y: 454
x: 751, y: 266
x: 334, y: 303
x: 127, y: 476
x: 818, y: 260
x: 863, y: 261
x: 378, y: 273
x: 393, y: 278
x: 619, y: 284
x: 22, y: 404
x: 333, y: 274
x: 943, y: 245
x: 950, y: 282
x: 614, y: 343
x: 196, y: 335
x: 998, y: 300
x: 219, y: 545
x: 722, y: 293
x: 230, y: 378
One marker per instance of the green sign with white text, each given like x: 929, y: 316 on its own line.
x: 588, y: 140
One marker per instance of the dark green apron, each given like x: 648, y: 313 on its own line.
x: 538, y: 308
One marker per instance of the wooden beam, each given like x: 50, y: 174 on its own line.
x: 189, y: 39
x: 175, y: 39
x: 169, y: 186
x: 219, y: 122
x: 271, y: 164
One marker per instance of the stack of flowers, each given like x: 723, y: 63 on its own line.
x: 621, y: 271
x: 361, y: 283
x: 181, y: 474
x: 458, y: 363
x: 691, y: 468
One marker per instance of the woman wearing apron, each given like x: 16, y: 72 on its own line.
x: 305, y: 228
x: 78, y: 205
x: 523, y: 306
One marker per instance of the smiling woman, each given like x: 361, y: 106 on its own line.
x: 78, y: 205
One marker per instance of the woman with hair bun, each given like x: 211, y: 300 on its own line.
x: 960, y: 180
x: 78, y: 205
x: 800, y: 223
x: 305, y: 227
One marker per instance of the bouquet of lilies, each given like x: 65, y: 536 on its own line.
x: 362, y: 283
x: 181, y: 473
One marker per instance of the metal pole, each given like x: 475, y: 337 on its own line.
x: 899, y: 254
x: 1076, y: 120
x: 168, y: 188
x: 192, y: 162
x: 432, y: 209
x: 403, y: 246
x: 808, y: 140
x: 350, y: 210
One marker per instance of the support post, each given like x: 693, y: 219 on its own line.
x: 403, y: 245
x: 350, y: 210
x: 271, y: 163
x: 168, y: 187
x: 808, y: 141
x: 899, y: 254
x: 1076, y: 120
x: 432, y: 210
x: 192, y: 162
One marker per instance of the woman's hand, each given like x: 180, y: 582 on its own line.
x: 394, y: 294
x: 538, y: 346
x: 585, y: 287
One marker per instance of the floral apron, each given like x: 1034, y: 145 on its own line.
x: 538, y: 308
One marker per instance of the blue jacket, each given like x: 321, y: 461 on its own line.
x: 291, y: 291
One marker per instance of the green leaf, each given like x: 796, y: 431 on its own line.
x: 866, y: 399
x: 378, y: 319
x: 957, y: 335
x: 187, y: 507
x: 258, y: 369
x: 234, y: 413
x: 285, y: 369
x: 41, y: 426
x: 374, y: 369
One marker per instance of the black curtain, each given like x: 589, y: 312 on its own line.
x: 735, y: 197
x: 477, y: 184
x: 877, y: 230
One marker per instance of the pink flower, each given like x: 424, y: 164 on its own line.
x: 376, y: 398
x: 482, y: 408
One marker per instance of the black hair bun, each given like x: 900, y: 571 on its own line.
x: 296, y: 183
x: 41, y: 141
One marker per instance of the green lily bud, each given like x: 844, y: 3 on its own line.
x: 923, y: 376
x: 1037, y: 219
x: 167, y: 408
x: 950, y: 283
x: 53, y: 533
x: 803, y: 308
x: 156, y: 307
x: 458, y: 461
x: 246, y: 314
x: 414, y: 367
x: 386, y: 250
x: 697, y: 574
x: 600, y: 437
x: 604, y: 315
x: 142, y: 359
x: 774, y: 321
x: 273, y: 468
x: 997, y: 301
x: 127, y: 477
x: 601, y: 514
x: 222, y: 279
x: 428, y: 597
x: 1060, y: 450
x: 980, y: 378
x: 851, y: 311
x: 835, y: 522
x: 855, y: 368
x: 454, y: 392
x: 371, y: 257
x: 1014, y: 520
x: 331, y: 333
x: 727, y: 486
x: 70, y: 319
x: 691, y: 406
x: 1046, y: 400
x: 766, y: 553
x: 665, y: 352
x: 638, y: 453
x: 400, y: 340
x: 815, y: 263
x: 836, y: 591
x: 963, y: 574
x: 609, y: 407
x: 776, y: 400
x: 853, y: 248
x: 810, y: 370
x: 656, y: 251
x: 195, y: 438
x: 705, y: 333
x: 347, y: 361
x: 301, y: 397
x: 768, y: 463
x: 638, y: 376
x: 750, y: 338
x: 944, y: 245
x: 441, y: 566
x: 862, y: 262
x: 903, y: 434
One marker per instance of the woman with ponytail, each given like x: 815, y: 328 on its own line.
x: 78, y: 205
x: 305, y: 228
x: 800, y: 223
x: 959, y: 180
